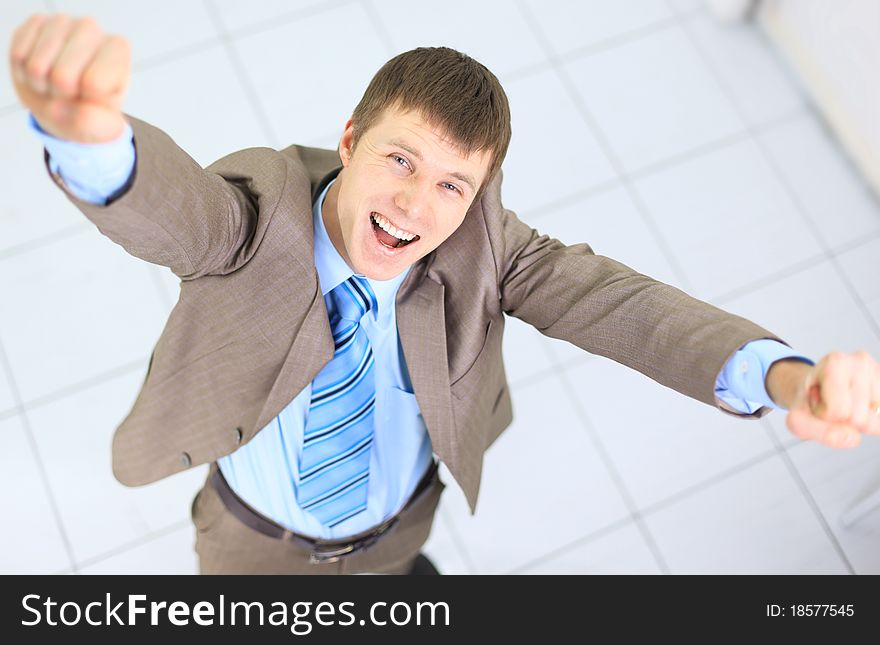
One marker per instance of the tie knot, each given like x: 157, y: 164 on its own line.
x: 354, y: 298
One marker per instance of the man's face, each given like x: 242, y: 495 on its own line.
x: 403, y: 177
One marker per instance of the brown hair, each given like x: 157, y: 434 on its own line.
x: 451, y: 91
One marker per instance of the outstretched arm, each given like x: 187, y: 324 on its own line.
x: 73, y: 77
x: 607, y: 308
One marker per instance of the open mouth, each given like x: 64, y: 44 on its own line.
x: 389, y: 235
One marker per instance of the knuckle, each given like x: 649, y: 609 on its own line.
x: 17, y: 49
x: 119, y: 42
x: 88, y: 23
x: 63, y: 78
x: 91, y: 83
x: 35, y: 68
x: 59, y: 19
x: 15, y: 46
x: 88, y: 30
x: 95, y: 82
x: 35, y: 20
x: 56, y: 24
x: 17, y: 54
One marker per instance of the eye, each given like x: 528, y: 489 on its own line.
x: 452, y: 186
x: 400, y: 161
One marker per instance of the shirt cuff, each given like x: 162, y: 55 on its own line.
x: 741, y: 383
x: 91, y: 171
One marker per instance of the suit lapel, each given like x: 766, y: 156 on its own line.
x: 421, y: 323
x: 312, y: 345
x: 312, y: 348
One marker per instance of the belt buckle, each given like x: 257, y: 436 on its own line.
x: 330, y: 555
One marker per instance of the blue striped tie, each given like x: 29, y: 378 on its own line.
x: 334, y: 466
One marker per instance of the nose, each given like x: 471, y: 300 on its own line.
x: 413, y: 198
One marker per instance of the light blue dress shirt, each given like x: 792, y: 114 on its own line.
x: 263, y: 471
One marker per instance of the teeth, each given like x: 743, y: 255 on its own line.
x: 388, y: 227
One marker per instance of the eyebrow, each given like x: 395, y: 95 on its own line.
x: 418, y: 155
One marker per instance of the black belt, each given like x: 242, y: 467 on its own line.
x: 321, y: 550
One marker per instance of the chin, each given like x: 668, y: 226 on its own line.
x: 381, y: 273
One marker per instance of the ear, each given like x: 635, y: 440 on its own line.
x: 346, y: 143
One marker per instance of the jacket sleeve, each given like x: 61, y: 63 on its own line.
x: 609, y: 309
x: 196, y: 221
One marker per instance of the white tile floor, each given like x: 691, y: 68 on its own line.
x: 678, y: 146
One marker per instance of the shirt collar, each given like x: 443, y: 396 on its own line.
x: 333, y: 270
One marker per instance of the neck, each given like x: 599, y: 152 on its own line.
x: 330, y: 215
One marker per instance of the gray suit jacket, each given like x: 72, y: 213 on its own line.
x: 250, y: 329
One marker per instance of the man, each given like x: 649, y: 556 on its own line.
x: 341, y: 313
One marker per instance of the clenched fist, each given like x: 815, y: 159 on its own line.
x: 835, y: 403
x: 71, y: 76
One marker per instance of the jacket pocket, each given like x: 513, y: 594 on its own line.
x: 474, y: 366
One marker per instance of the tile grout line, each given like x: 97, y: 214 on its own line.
x: 813, y: 109
x: 524, y: 71
x: 792, y: 270
x: 787, y: 272
x: 606, y: 44
x: 133, y: 544
x: 35, y: 453
x: 789, y: 443
x: 548, y: 208
x: 634, y: 513
x: 373, y: 14
x: 555, y: 366
x: 243, y: 77
x: 783, y: 451
x: 617, y: 479
x: 605, y: 147
x: 584, y: 540
x: 284, y: 19
x: 657, y: 167
x: 707, y: 483
x: 830, y: 253
x: 640, y: 514
x: 45, y: 240
x: 10, y: 109
x: 817, y: 235
x: 80, y: 386
x: 721, y: 143
x: 174, y: 55
x: 688, y: 491
x: 457, y: 542
x: 750, y: 133
x: 777, y: 276
x: 658, y: 239
x: 449, y: 523
x: 786, y: 185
